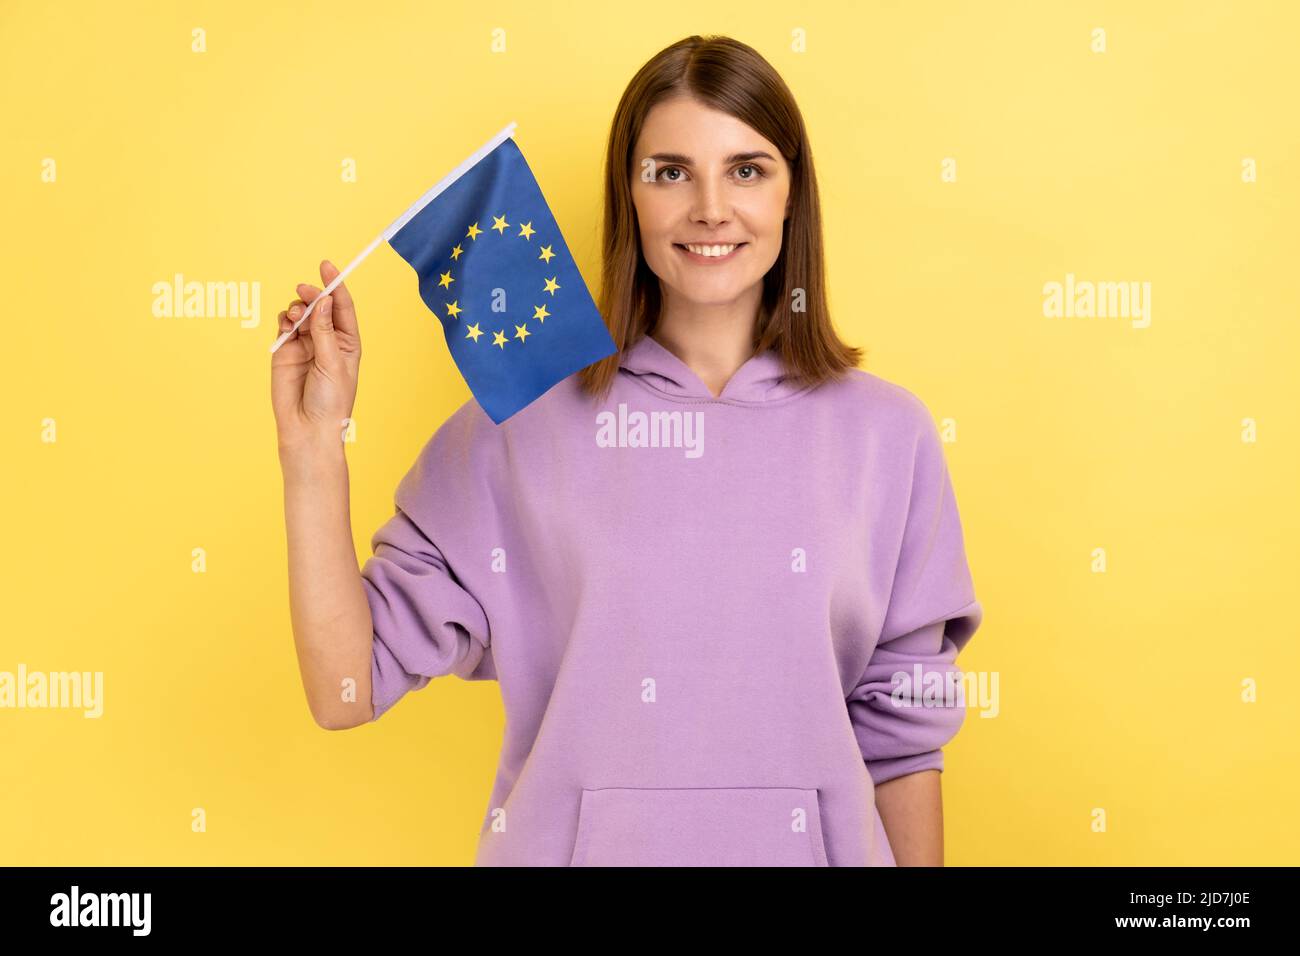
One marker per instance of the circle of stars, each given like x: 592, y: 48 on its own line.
x: 540, y: 312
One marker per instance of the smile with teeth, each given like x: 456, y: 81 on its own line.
x: 715, y: 253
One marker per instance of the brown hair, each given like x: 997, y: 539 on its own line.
x: 729, y: 76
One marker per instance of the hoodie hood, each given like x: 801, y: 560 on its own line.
x: 763, y: 378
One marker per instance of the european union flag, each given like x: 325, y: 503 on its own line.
x: 495, y: 270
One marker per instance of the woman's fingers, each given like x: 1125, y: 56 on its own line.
x: 307, y: 293
x: 284, y: 323
x: 345, y: 313
x: 324, y: 338
x: 289, y: 316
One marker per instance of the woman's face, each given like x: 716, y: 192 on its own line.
x: 701, y: 177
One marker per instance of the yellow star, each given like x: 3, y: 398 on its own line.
x: 500, y: 339
x: 547, y: 254
x: 540, y: 313
x: 526, y: 230
x: 455, y: 253
x: 446, y: 280
x: 551, y: 285
x: 500, y: 224
x: 474, y: 332
x: 522, y: 333
x: 474, y: 230
x: 453, y: 310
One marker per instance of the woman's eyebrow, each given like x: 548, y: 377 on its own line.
x: 687, y: 161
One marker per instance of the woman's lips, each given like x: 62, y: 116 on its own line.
x: 709, y: 260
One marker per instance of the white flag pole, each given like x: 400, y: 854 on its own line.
x: 401, y: 221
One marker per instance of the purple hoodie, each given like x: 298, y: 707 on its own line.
x: 695, y: 608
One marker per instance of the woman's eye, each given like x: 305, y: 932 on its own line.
x: 757, y: 173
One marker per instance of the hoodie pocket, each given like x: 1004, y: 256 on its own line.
x: 735, y: 826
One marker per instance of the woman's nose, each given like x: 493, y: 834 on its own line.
x: 711, y: 204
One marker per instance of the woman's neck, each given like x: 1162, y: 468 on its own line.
x: 712, y: 340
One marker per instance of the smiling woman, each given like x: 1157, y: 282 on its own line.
x: 712, y: 234
x: 711, y: 222
x: 701, y: 648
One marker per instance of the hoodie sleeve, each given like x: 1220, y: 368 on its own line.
x: 426, y: 622
x: 932, y: 615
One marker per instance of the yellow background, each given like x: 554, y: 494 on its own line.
x: 1118, y: 690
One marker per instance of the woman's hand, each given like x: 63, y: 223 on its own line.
x: 314, y: 373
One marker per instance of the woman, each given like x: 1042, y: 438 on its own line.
x: 707, y: 572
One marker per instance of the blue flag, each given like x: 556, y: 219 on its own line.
x: 496, y: 272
